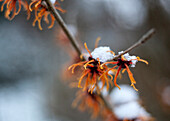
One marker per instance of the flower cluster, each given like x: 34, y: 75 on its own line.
x: 96, y: 68
x: 124, y: 62
x: 39, y: 6
x: 92, y: 69
x: 11, y: 7
x: 41, y: 10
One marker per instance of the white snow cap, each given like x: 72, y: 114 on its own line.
x: 126, y: 94
x: 130, y: 110
x: 126, y: 103
x: 128, y: 58
x: 102, y: 53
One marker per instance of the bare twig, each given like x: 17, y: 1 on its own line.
x: 74, y: 42
x: 72, y: 39
x: 142, y: 40
x: 60, y: 21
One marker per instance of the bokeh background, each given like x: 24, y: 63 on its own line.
x: 31, y: 61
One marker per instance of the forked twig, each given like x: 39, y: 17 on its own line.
x: 142, y: 40
x: 73, y: 41
x: 71, y: 38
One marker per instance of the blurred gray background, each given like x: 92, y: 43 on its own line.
x: 31, y: 60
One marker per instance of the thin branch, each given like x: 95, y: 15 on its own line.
x: 142, y: 40
x: 73, y: 41
x: 60, y: 21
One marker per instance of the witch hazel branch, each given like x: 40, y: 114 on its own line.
x: 99, y: 69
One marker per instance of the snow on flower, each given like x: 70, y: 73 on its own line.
x: 133, y: 58
x: 103, y: 53
x: 124, y: 62
x: 93, y: 71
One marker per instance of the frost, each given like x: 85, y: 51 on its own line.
x: 133, y: 58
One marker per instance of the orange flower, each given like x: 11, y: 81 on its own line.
x: 41, y: 10
x: 11, y: 6
x: 123, y: 63
x: 92, y: 71
x: 88, y: 101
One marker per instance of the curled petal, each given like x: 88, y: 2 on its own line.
x: 46, y: 17
x: 11, y: 7
x: 26, y: 7
x: 42, y: 11
x: 30, y: 5
x: 111, y: 52
x: 88, y: 63
x: 19, y: 9
x: 39, y: 24
x: 8, y: 11
x: 87, y: 82
x: 5, y: 2
x: 123, y: 71
x: 97, y: 41
x: 116, y: 77
x: 83, y: 75
x: 85, y: 45
x: 103, y: 82
x: 138, y: 58
x: 131, y: 77
x: 93, y: 83
x: 60, y: 9
x: 108, y: 63
x: 75, y: 65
